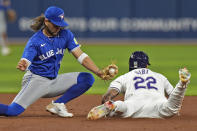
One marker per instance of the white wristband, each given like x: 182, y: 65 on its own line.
x: 82, y: 57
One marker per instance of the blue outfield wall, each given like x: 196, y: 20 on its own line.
x: 131, y: 19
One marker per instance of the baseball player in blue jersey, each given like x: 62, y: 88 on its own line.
x: 5, y: 12
x: 41, y: 60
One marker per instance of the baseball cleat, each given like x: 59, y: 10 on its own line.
x: 101, y: 111
x: 58, y: 109
x: 184, y: 75
x: 5, y: 51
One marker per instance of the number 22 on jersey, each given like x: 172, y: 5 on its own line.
x: 145, y: 83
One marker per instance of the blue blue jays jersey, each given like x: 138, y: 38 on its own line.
x: 45, y: 53
x: 4, y: 5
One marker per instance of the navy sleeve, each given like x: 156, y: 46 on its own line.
x: 30, y: 51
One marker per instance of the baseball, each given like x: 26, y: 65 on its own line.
x: 112, y: 70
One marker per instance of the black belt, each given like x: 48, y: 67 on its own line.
x: 50, y: 78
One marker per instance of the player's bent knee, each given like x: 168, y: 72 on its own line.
x: 174, y: 112
x: 168, y: 112
x: 85, y: 77
x: 14, y: 109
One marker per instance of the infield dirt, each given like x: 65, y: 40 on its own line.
x: 35, y: 118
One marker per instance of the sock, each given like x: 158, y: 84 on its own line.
x: 84, y: 82
x: 14, y: 109
x: 3, y: 109
x: 120, y: 106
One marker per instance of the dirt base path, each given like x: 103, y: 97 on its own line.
x: 35, y: 118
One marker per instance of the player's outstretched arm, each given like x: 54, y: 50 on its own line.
x: 107, y: 73
x: 86, y: 61
x: 111, y: 94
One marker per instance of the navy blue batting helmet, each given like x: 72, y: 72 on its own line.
x: 138, y: 59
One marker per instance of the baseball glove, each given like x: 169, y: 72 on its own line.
x: 11, y: 15
x: 184, y: 75
x: 109, y: 72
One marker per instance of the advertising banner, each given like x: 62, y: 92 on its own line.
x: 131, y: 19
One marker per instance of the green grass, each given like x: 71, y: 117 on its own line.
x: 165, y: 59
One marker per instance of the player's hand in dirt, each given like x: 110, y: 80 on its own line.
x: 112, y: 93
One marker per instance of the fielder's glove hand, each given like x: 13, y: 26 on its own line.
x: 184, y: 76
x: 109, y: 72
